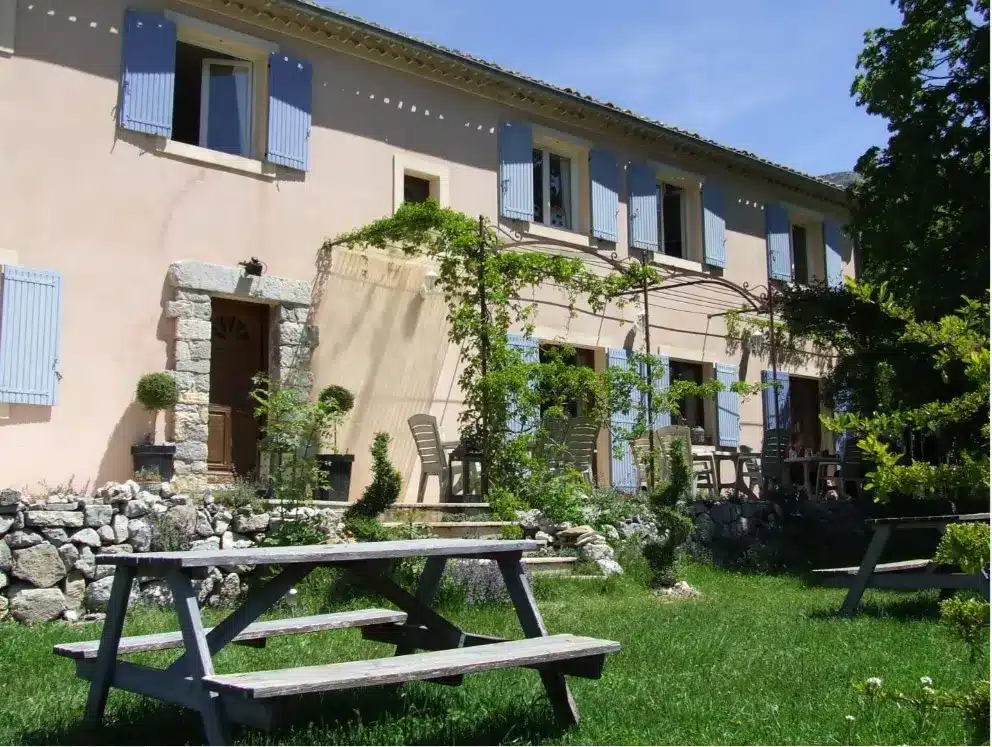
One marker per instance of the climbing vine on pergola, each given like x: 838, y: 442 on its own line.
x: 483, y: 279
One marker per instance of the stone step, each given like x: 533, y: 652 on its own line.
x: 550, y: 565
x: 462, y: 529
x: 433, y: 512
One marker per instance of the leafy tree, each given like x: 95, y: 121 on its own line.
x: 921, y: 207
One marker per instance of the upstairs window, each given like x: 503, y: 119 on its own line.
x: 552, y: 189
x: 213, y: 100
x: 800, y: 255
x: 671, y: 201
x: 415, y: 188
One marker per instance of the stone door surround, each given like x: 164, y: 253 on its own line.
x: 194, y: 284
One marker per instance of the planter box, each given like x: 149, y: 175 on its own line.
x: 154, y: 458
x: 337, y: 471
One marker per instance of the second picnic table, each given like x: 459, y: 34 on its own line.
x: 449, y: 652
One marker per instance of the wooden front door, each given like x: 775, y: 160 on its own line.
x: 239, y: 350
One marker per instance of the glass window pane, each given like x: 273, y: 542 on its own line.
x: 228, y: 109
x: 415, y: 188
x: 800, y: 265
x: 560, y: 187
x: 538, y: 186
x: 671, y: 221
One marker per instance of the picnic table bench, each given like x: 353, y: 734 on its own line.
x: 905, y: 574
x: 448, y: 653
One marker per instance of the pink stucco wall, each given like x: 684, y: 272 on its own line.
x: 94, y: 203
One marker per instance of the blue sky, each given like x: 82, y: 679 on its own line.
x: 768, y: 76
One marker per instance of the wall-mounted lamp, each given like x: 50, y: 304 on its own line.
x: 253, y: 267
x: 430, y: 282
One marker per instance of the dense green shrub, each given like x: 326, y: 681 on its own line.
x: 362, y: 518
x: 668, y: 502
x: 342, y: 399
x: 157, y: 391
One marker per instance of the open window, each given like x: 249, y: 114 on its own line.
x: 800, y: 254
x: 553, y: 189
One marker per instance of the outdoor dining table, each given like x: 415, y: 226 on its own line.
x: 810, y: 464
x: 250, y: 698
x: 904, y: 574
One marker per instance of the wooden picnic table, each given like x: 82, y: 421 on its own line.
x: 906, y: 574
x: 250, y: 698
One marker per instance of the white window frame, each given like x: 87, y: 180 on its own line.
x: 434, y: 172
x: 246, y: 49
x: 247, y: 137
x: 576, y: 151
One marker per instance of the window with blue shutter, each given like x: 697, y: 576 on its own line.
x: 30, y: 325
x: 227, y: 98
x: 834, y: 259
x: 642, y: 207
x: 662, y: 375
x: 516, y: 171
x: 530, y: 351
x: 605, y: 195
x: 290, y: 107
x: 777, y: 239
x: 714, y: 226
x: 623, y: 468
x: 728, y: 407
x: 780, y: 418
x: 148, y: 73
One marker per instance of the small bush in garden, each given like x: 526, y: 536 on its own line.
x: 239, y: 494
x: 362, y: 518
x: 505, y: 504
x: 512, y: 532
x: 475, y: 582
x: 166, y: 535
x: 157, y: 391
x: 667, y: 502
x: 967, y: 615
x: 302, y: 530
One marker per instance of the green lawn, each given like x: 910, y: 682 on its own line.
x: 757, y: 660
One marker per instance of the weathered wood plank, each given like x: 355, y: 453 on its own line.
x: 178, y: 690
x: 901, y: 565
x: 422, y: 666
x: 937, y: 521
x: 322, y: 554
x: 872, y: 555
x: 106, y: 660
x: 255, y: 631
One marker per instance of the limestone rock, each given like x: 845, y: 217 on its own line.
x: 181, y: 519
x: 102, y: 571
x: 136, y: 509
x: 5, y: 557
x: 74, y: 587
x: 39, y: 565
x: 203, y: 525
x: 106, y: 534
x: 24, y: 538
x: 139, y: 534
x: 86, y: 563
x: 30, y: 606
x: 543, y: 537
x: 97, y: 515
x: 66, y: 519
x: 97, y: 595
x: 69, y: 554
x: 587, y: 539
x: 3, y: 580
x: 10, y: 497
x: 210, y: 543
x: 230, y: 587
x: 220, y: 527
x: 251, y: 523
x: 6, y: 523
x: 681, y: 590
x: 156, y: 594
x: 87, y: 536
x: 119, y: 525
x: 70, y: 616
x: 227, y: 541
x: 573, y: 533
x: 94, y: 617
x: 57, y: 536
x: 165, y: 490
x: 115, y: 549
x: 4, y: 607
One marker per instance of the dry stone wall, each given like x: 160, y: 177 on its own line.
x: 49, y: 545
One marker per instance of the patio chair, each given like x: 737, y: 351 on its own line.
x: 433, y: 459
x: 750, y: 467
x: 571, y: 441
x: 774, y: 447
x: 663, y: 437
x: 852, y: 469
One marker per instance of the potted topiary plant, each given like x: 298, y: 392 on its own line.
x: 155, y: 392
x: 335, y: 465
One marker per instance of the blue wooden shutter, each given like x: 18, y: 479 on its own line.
x: 290, y: 108
x: 623, y: 468
x: 834, y: 259
x: 642, y: 207
x: 30, y: 320
x: 782, y: 417
x: 662, y: 381
x: 531, y: 353
x: 728, y: 407
x: 148, y: 73
x: 714, y: 226
x: 516, y: 171
x: 777, y: 237
x: 605, y: 193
